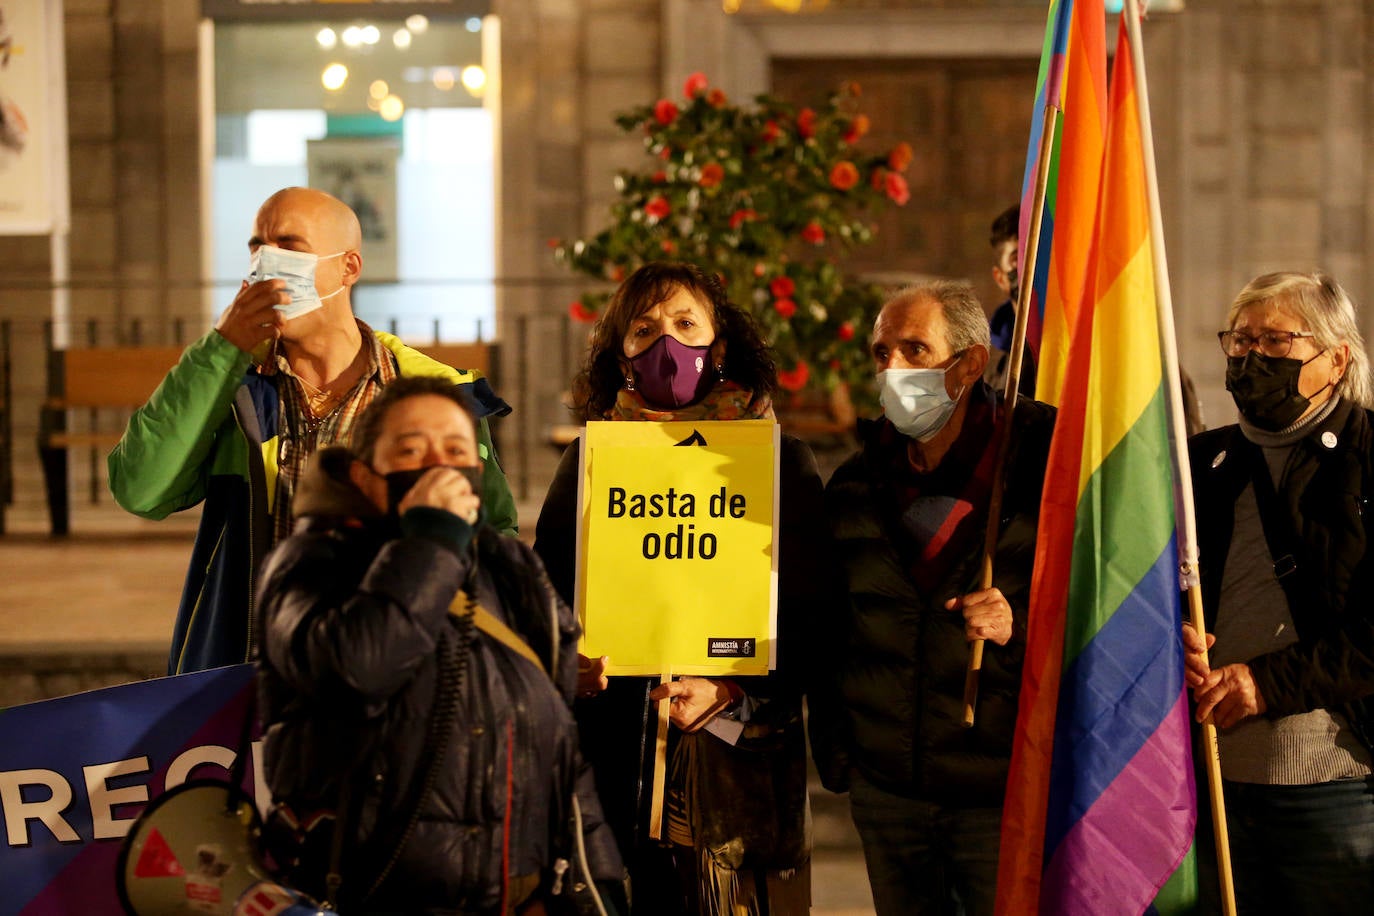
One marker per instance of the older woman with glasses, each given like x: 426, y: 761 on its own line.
x: 1288, y: 585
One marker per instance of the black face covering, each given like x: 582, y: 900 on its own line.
x: 399, y: 483
x: 1265, y: 389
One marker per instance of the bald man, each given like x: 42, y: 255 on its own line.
x: 285, y: 371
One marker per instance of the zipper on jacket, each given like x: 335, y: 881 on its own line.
x: 256, y: 452
x: 200, y: 599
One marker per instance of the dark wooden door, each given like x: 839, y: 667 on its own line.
x: 968, y: 123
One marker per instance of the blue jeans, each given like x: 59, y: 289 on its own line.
x: 1297, y: 849
x: 925, y: 858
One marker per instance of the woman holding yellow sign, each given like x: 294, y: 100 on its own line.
x: 670, y: 347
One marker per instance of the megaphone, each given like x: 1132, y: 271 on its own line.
x: 194, y: 850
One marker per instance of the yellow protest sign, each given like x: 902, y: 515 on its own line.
x: 676, y: 550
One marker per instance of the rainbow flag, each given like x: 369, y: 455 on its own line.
x: 1100, y: 801
x: 1073, y: 72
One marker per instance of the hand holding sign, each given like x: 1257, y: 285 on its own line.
x: 591, y: 675
x: 695, y: 700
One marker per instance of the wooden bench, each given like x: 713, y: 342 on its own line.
x: 95, y: 379
x: 476, y: 355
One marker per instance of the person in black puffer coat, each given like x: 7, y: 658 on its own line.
x: 907, y: 517
x: 444, y: 741
x: 1282, y: 501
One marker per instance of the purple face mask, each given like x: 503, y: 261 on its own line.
x: 671, y: 374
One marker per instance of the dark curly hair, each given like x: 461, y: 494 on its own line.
x: 748, y: 358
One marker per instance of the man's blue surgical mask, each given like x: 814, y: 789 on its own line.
x: 916, y: 400
x: 297, y: 268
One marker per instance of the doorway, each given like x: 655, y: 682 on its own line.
x: 393, y: 116
x: 967, y: 120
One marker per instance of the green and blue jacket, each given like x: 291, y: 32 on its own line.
x: 209, y: 434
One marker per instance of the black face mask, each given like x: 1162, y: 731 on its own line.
x: 1265, y: 389
x: 399, y: 483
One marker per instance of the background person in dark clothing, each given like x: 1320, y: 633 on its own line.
x: 908, y: 516
x: 443, y: 741
x: 1004, y: 239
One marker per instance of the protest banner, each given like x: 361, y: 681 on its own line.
x: 676, y: 557
x: 75, y: 772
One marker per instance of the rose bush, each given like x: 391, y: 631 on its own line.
x: 769, y: 197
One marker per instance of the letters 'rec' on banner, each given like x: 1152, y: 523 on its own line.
x: 677, y: 546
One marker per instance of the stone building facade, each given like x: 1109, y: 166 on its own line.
x: 1262, y: 117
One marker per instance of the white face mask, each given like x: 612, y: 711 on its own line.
x: 916, y: 400
x: 297, y: 268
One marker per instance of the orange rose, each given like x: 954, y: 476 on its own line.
x: 711, y: 174
x: 658, y: 207
x: 857, y: 128
x: 579, y: 312
x: 740, y: 217
x: 794, y: 379
x: 696, y: 84
x: 782, y: 287
x: 896, y: 188
x: 900, y: 158
x: 665, y: 112
x: 844, y: 175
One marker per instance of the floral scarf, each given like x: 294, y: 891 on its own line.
x: 726, y: 401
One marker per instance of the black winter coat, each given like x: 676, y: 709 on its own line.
x: 1325, y: 492
x: 893, y: 706
x: 356, y: 629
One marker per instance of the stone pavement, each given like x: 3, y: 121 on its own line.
x: 95, y: 609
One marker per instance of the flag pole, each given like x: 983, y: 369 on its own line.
x: 1183, y: 489
x: 1013, y: 381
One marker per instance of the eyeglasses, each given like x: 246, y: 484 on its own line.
x: 1270, y: 343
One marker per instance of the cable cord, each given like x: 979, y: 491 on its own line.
x: 582, y: 856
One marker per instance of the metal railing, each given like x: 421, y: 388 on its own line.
x: 539, y: 351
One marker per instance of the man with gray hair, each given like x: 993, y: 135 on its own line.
x: 908, y: 516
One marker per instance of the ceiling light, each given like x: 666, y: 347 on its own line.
x: 392, y: 108
x: 417, y: 23
x: 379, y: 89
x: 352, y: 37
x: 334, y: 76
x: 326, y: 38
x: 371, y: 34
x: 401, y: 39
x: 474, y: 78
x: 444, y: 79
